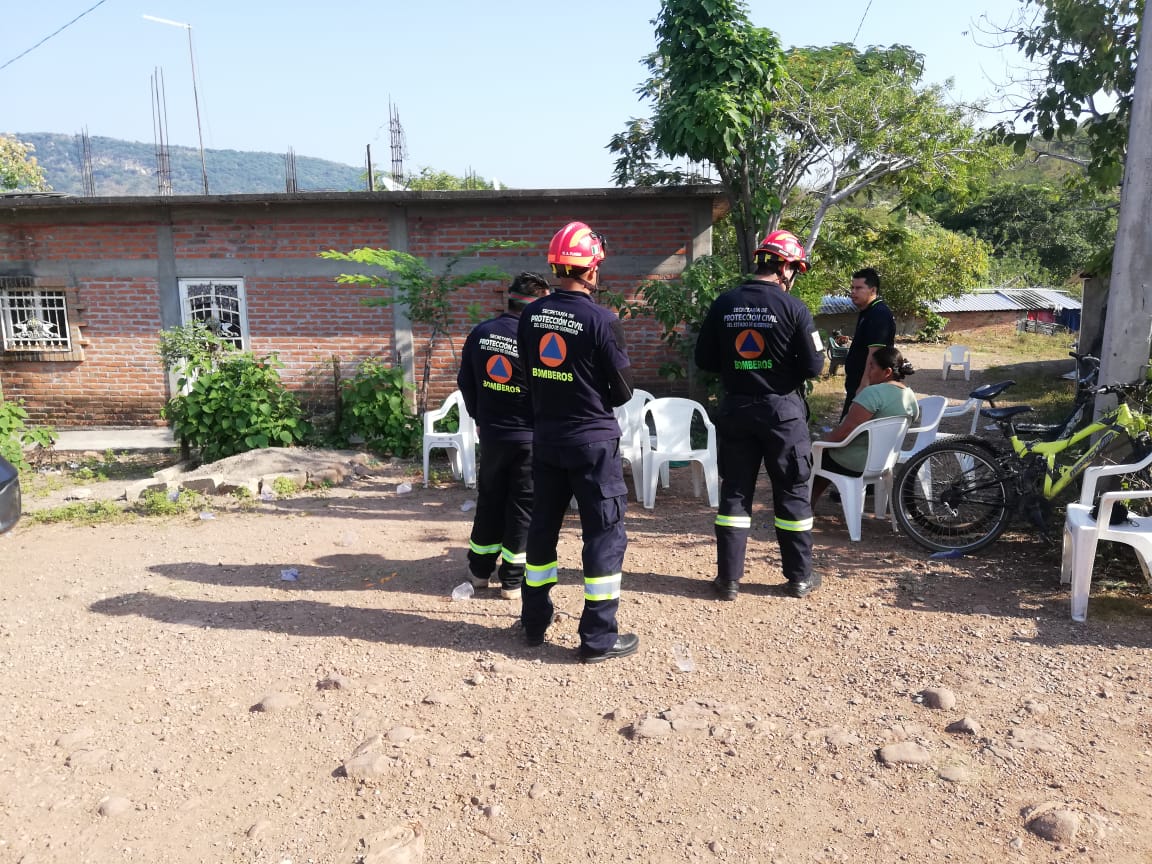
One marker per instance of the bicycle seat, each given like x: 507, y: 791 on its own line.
x: 1002, y: 414
x: 990, y: 391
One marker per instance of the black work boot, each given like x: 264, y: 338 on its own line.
x: 626, y: 644
x: 725, y: 589
x: 805, y: 586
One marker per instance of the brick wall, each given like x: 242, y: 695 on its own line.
x: 121, y: 260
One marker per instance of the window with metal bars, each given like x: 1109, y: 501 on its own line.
x: 32, y: 319
x: 218, y: 303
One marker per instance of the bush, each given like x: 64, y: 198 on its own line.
x: 934, y: 325
x: 15, y: 436
x: 238, y: 404
x: 375, y: 408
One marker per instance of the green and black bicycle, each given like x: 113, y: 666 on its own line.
x: 961, y: 493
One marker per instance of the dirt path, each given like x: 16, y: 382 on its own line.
x: 133, y: 656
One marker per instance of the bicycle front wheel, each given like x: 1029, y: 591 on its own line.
x: 952, y: 496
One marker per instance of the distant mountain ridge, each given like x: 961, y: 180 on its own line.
x: 122, y: 167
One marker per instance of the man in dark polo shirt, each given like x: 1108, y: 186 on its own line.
x: 875, y: 328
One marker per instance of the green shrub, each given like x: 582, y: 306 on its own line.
x: 157, y: 502
x: 238, y: 404
x: 81, y: 512
x: 15, y: 436
x: 934, y: 325
x: 375, y: 407
x: 285, y: 487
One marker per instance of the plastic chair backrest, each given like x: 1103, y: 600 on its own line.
x: 884, y: 438
x: 931, y: 413
x: 958, y: 353
x: 630, y: 416
x: 1092, y: 477
x: 672, y: 418
x: 467, y: 427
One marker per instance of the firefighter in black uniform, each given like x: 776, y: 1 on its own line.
x: 491, y: 380
x: 577, y: 370
x: 762, y: 342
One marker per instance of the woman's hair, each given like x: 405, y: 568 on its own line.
x: 891, y: 358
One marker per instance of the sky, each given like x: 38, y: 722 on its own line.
x: 527, y: 92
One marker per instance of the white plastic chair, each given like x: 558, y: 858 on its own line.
x: 973, y: 405
x: 1082, y: 533
x: 634, y: 438
x: 672, y: 420
x: 958, y: 355
x: 885, y: 436
x: 931, y: 413
x: 461, y: 444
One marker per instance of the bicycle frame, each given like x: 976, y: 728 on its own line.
x: 1109, y: 427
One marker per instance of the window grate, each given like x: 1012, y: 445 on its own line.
x: 218, y: 304
x: 33, y: 320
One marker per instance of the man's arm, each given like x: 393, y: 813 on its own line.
x: 707, y: 355
x: 807, y: 346
x: 615, y: 358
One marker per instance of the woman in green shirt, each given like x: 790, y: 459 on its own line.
x: 885, y: 396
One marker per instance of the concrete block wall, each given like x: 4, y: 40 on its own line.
x: 119, y: 260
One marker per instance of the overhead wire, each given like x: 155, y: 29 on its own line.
x: 54, y: 33
x: 860, y: 26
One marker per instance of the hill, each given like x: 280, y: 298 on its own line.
x: 129, y: 168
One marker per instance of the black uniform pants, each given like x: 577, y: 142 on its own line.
x: 771, y: 430
x: 503, y: 508
x: 594, y: 474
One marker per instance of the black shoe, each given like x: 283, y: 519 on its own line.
x: 725, y: 588
x: 535, y: 640
x: 805, y: 586
x: 626, y: 643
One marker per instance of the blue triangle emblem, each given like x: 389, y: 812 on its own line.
x: 500, y: 368
x: 749, y: 345
x: 552, y: 349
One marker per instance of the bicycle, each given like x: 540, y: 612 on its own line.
x: 1087, y: 373
x: 960, y: 494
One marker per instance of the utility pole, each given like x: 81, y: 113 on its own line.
x: 1128, y: 327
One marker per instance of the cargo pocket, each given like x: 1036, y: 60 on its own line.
x: 614, y: 501
x: 798, y: 468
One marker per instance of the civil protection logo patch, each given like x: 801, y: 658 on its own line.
x: 749, y: 344
x: 499, y: 369
x: 553, y: 350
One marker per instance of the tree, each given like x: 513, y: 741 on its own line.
x: 918, y: 260
x: 711, y: 81
x: 1087, y: 51
x: 430, y: 180
x: 1055, y: 229
x: 19, y: 169
x: 835, y: 120
x: 427, y: 294
x: 850, y: 121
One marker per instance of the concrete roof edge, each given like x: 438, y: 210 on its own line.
x: 15, y: 202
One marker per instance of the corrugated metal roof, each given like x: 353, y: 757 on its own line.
x: 981, y: 301
x: 1002, y: 300
x: 1041, y: 298
x: 835, y: 304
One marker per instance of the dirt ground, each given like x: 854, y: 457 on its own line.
x: 171, y: 697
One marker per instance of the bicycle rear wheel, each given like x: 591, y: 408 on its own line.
x: 952, y: 496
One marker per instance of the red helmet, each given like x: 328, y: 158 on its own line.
x: 576, y: 245
x: 783, y: 246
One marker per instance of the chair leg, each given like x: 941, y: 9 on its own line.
x: 697, y: 470
x: 852, y: 500
x: 1083, y: 557
x: 426, y: 476
x: 455, y: 459
x: 651, y: 474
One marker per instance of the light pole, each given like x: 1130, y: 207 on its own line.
x: 195, y: 91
